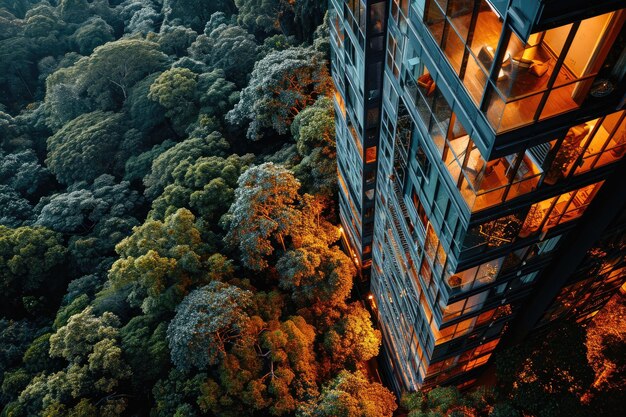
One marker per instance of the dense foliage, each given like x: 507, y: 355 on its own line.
x: 168, y: 238
x: 167, y: 224
x: 570, y: 371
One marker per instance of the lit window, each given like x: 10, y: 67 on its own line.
x: 370, y: 155
x: 558, y: 210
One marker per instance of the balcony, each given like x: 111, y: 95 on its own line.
x: 473, y: 278
x: 487, y: 184
x: 552, y: 212
x: 525, y: 80
x: 550, y: 73
x: 481, y: 184
x: 588, y: 146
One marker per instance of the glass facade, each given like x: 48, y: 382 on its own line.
x: 357, y: 33
x: 459, y: 184
x: 518, y: 82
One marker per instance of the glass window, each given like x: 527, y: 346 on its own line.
x: 569, y: 150
x: 606, y: 144
x: 558, y: 210
x: 400, y: 11
x: 434, y: 18
x: 475, y: 277
x: 546, y: 72
x: 453, y: 47
x: 462, y: 307
x: 468, y: 32
x: 394, y: 54
x: 432, y: 242
x: 474, y: 78
x: 494, y: 233
x: 452, y: 332
x: 485, y: 184
x: 377, y: 18
x: 370, y: 155
x: 422, y: 160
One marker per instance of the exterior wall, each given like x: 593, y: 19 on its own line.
x: 483, y: 181
x: 357, y: 44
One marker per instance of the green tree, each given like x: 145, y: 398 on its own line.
x: 308, y: 15
x: 174, y: 40
x: 87, y: 285
x: 282, y: 84
x: 81, y: 210
x: 206, y: 321
x: 289, y: 17
x: 23, y: 173
x: 216, y: 96
x: 351, y: 395
x: 15, y: 210
x: 145, y: 114
x: 31, y: 262
x: 549, y: 376
x: 504, y: 410
x: 185, y: 152
x: 116, y: 66
x: 314, y: 132
x: 74, y: 11
x: 181, y: 394
x: 448, y: 401
x: 139, y: 166
x: 86, y: 147
x: 92, y: 34
x: 15, y: 337
x: 145, y: 348
x: 106, y: 76
x: 95, y: 369
x: 317, y: 274
x: 139, y: 17
x: 97, y: 217
x: 321, y: 36
x: 260, y: 17
x: 161, y: 262
x: 228, y: 47
x: 263, y: 211
x: 9, y: 129
x: 195, y: 13
x: 17, y: 72
x: 36, y: 359
x: 206, y: 186
x: 352, y: 340
x: 314, y: 127
x: 16, y: 8
x: 65, y: 312
x: 317, y: 173
x: 175, y: 90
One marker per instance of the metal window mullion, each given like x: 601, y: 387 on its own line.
x: 468, y: 40
x: 549, y: 212
x: 557, y: 68
x: 610, y: 137
x: 492, y: 72
x: 518, y: 162
x: 581, y: 157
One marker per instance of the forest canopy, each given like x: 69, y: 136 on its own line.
x: 168, y: 230
x: 169, y: 239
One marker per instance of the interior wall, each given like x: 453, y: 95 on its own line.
x: 588, y: 37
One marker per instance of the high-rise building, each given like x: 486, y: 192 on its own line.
x: 482, y: 179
